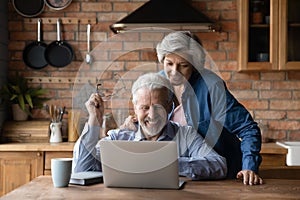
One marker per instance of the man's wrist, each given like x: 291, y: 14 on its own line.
x: 93, y: 121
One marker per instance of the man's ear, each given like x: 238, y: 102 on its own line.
x: 134, y: 109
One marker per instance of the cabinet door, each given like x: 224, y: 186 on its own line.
x: 18, y: 168
x: 258, y: 35
x: 289, y: 40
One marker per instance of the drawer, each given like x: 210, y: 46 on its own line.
x: 285, y: 172
x: 54, y: 154
x: 273, y: 160
x: 26, y: 131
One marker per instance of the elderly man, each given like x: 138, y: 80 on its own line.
x: 152, y: 97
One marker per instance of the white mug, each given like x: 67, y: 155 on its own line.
x: 262, y: 57
x: 55, y: 135
x: 61, y: 169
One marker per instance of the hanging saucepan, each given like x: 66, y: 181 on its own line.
x: 58, y: 4
x: 29, y: 8
x: 59, y: 53
x: 34, y: 53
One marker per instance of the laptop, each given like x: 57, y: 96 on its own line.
x: 140, y: 164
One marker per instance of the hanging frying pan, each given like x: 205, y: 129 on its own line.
x: 33, y: 54
x: 29, y: 8
x: 59, y: 53
x: 58, y: 4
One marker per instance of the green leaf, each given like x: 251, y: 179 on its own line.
x: 21, y: 102
x: 29, y: 100
x: 14, y: 96
x: 17, y: 91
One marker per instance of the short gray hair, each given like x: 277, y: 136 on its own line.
x: 151, y: 81
x: 183, y: 43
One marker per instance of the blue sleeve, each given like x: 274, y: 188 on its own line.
x: 238, y: 121
x: 198, y: 160
x: 85, y: 155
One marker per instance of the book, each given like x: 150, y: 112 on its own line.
x: 86, y: 178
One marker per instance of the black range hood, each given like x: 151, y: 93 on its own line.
x: 167, y: 14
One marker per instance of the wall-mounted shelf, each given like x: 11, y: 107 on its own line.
x: 64, y: 20
x: 92, y: 80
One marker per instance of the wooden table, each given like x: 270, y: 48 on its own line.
x: 42, y: 188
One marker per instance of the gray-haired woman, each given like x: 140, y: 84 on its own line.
x: 203, y: 101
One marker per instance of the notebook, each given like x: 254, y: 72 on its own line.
x: 140, y: 164
x: 86, y: 178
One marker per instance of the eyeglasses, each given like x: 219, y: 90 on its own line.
x: 108, y: 96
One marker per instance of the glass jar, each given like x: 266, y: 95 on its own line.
x: 257, y: 12
x: 108, y: 123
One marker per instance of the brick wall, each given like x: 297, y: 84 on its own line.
x: 272, y: 97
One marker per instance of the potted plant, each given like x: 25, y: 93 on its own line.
x: 22, y: 97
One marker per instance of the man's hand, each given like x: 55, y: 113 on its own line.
x: 95, y: 108
x: 249, y: 177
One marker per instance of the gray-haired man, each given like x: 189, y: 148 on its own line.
x: 152, y: 97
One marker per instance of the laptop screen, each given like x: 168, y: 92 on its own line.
x: 140, y: 164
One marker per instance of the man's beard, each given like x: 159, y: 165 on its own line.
x: 156, y: 124
x: 154, y: 129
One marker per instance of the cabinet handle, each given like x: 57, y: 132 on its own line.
x: 25, y: 135
x: 38, y: 154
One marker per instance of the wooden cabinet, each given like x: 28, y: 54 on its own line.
x: 268, y: 35
x: 272, y: 155
x: 274, y: 163
x: 22, y: 162
x: 289, y: 31
x: 18, y: 168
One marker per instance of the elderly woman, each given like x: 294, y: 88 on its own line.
x: 203, y: 101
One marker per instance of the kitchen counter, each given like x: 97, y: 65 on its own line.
x: 273, y: 155
x: 63, y: 146
x: 272, y: 148
x: 267, y: 148
x: 42, y: 187
x: 274, y: 163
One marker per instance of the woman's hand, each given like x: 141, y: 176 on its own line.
x: 95, y: 108
x: 249, y: 177
x: 129, y: 123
